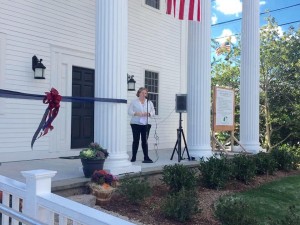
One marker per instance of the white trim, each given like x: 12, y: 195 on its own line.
x: 62, y: 61
x: 152, y: 68
x: 155, y: 70
x: 2, y: 69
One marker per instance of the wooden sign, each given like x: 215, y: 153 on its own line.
x: 223, y: 109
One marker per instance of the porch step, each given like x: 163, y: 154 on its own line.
x: 78, y: 186
x: 70, y: 187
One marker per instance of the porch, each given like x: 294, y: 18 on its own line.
x: 69, y: 179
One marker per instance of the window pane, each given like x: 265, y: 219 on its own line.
x: 151, y: 83
x: 153, y: 3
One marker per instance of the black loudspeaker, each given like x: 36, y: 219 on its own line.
x: 181, y: 103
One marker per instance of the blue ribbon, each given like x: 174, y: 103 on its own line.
x: 21, y: 95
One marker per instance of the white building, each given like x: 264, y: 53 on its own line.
x: 94, y: 45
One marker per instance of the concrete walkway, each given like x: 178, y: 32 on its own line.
x: 69, y: 171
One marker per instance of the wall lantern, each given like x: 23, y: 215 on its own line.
x: 130, y: 83
x: 38, y: 68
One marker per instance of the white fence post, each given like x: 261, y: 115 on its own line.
x: 37, y: 182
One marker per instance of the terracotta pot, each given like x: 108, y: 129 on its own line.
x: 90, y: 165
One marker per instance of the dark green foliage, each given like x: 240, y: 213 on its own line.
x: 295, y: 152
x: 243, y: 167
x: 215, y: 172
x: 179, y: 176
x: 181, y: 205
x: 230, y: 211
x: 279, y: 83
x: 285, y: 160
x: 135, y: 189
x: 265, y: 163
x: 290, y: 219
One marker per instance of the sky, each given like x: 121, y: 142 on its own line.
x: 225, y: 10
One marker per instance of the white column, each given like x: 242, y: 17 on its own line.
x: 249, y: 86
x: 111, y: 82
x: 199, y: 84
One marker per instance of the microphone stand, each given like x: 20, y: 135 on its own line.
x: 147, y: 122
x: 147, y: 133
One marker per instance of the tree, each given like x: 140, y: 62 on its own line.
x: 226, y: 73
x: 279, y: 70
x: 279, y: 83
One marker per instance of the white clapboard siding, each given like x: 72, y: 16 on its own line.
x: 155, y: 44
x: 32, y: 27
x: 62, y: 33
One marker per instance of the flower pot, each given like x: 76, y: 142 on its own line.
x: 102, y: 194
x: 90, y: 165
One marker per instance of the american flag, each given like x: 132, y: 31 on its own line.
x: 225, y: 47
x: 184, y: 9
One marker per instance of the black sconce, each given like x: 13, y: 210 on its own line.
x: 38, y: 68
x: 130, y: 83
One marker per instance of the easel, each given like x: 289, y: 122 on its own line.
x: 226, y: 108
x: 177, y: 147
x: 232, y: 139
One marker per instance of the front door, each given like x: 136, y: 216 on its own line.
x: 82, y: 127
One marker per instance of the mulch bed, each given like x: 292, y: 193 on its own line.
x: 148, y: 212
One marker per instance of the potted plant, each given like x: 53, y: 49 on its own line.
x: 102, y: 185
x: 92, y: 158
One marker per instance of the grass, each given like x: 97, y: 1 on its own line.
x: 272, y: 200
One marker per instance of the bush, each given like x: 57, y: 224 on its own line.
x: 180, y: 205
x: 285, y: 158
x: 265, y: 163
x: 290, y: 219
x: 295, y: 152
x: 135, y: 189
x: 243, y: 168
x: 215, y: 171
x: 179, y: 176
x: 230, y: 210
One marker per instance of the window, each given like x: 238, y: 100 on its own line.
x: 153, y: 3
x: 151, y: 83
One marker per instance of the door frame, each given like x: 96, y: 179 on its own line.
x: 62, y: 62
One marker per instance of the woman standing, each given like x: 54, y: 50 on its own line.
x: 141, y: 110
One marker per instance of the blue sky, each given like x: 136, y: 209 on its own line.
x: 224, y: 10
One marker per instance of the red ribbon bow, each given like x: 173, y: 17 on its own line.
x: 53, y: 99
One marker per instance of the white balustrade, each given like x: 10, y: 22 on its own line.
x: 35, y: 201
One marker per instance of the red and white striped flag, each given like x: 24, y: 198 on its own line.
x: 225, y: 47
x: 184, y: 9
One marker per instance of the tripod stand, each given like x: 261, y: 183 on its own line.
x: 177, y: 147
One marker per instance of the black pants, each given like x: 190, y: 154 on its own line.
x: 137, y: 131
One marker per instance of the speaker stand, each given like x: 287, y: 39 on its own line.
x: 177, y: 147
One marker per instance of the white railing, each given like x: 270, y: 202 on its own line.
x: 17, y: 216
x: 35, y: 201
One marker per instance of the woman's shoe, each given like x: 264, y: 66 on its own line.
x: 133, y: 160
x: 148, y: 160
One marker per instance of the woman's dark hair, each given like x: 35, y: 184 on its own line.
x: 140, y: 90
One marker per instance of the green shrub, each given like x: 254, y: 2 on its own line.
x: 290, y: 219
x: 135, y: 189
x: 295, y: 151
x: 286, y: 160
x: 180, y: 206
x: 265, y: 163
x: 243, y: 167
x: 231, y: 210
x: 215, y: 172
x: 179, y: 176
